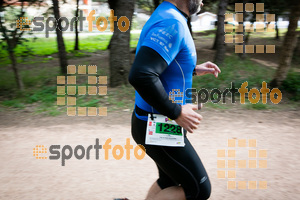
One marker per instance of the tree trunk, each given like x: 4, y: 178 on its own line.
x: 248, y: 36
x: 276, y: 27
x: 120, y: 61
x: 60, y: 40
x: 297, y: 50
x: 108, y: 46
x: 246, y: 41
x: 12, y: 39
x: 288, y: 46
x: 156, y: 3
x: 214, y: 47
x: 15, y: 69
x: 76, y: 47
x: 112, y: 5
x: 221, y: 48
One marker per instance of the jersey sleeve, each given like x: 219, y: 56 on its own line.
x: 165, y: 38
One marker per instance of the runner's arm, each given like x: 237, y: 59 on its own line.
x: 144, y: 77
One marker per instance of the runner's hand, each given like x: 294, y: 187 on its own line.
x: 207, y: 68
x: 189, y: 119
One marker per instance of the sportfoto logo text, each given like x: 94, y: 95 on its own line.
x: 51, y: 23
x: 65, y: 152
x: 254, y: 95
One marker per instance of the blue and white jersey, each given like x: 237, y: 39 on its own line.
x: 167, y: 33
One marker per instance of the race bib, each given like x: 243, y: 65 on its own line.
x: 163, y: 131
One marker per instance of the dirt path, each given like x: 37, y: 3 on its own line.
x: 24, y: 177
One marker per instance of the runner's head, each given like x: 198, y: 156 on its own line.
x: 193, y: 6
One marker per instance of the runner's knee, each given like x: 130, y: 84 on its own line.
x: 202, y: 193
x: 205, y: 190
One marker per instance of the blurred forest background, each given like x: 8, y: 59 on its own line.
x: 30, y: 62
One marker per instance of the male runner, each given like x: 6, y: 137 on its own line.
x: 166, y: 60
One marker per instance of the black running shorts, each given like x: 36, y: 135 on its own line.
x: 177, y: 166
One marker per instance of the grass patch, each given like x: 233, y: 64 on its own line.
x: 237, y: 71
x: 48, y: 46
x: 54, y: 112
x: 14, y: 103
x: 41, y: 88
x: 40, y: 82
x: 257, y: 106
x: 33, y: 80
x: 216, y: 105
x: 292, y: 85
x: 49, y: 109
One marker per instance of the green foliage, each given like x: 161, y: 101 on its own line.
x: 48, y: 46
x: 210, y: 6
x: 10, y: 32
x: 38, y: 89
x: 14, y: 103
x: 92, y: 102
x: 146, y: 5
x: 237, y: 71
x: 257, y: 106
x: 216, y: 105
x: 54, y: 112
x: 292, y: 85
x: 7, y: 82
x: 46, y: 94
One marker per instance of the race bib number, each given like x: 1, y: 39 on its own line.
x: 163, y: 131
